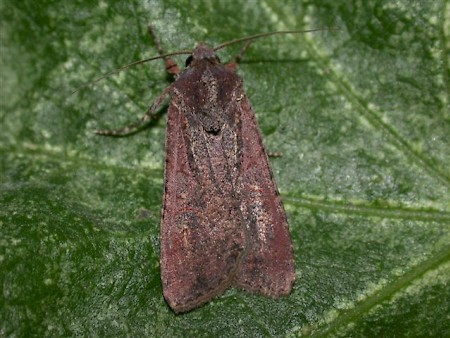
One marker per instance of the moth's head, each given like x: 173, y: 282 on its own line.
x: 200, y: 53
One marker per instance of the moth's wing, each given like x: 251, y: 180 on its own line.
x: 268, y: 267
x: 202, y: 239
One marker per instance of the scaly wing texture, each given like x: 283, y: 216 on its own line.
x: 223, y: 222
x: 202, y: 233
x: 268, y: 267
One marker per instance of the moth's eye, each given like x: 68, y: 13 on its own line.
x: 188, y: 60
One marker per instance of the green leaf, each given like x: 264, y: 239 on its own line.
x: 361, y: 117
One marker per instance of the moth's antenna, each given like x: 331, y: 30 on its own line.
x: 118, y: 70
x: 181, y: 52
x: 262, y: 35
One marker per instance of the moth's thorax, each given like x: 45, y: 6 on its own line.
x: 206, y: 90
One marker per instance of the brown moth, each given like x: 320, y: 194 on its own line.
x: 223, y: 223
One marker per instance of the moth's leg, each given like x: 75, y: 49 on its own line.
x: 137, y: 125
x: 274, y: 154
x: 238, y: 57
x: 171, y: 66
x: 173, y: 70
x: 241, y: 53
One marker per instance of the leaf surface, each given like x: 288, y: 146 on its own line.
x: 361, y: 117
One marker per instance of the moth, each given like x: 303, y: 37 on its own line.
x: 222, y: 222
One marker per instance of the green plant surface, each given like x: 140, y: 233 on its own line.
x: 361, y: 117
